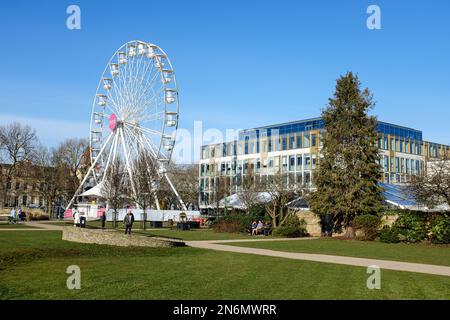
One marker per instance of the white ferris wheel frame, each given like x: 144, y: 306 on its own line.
x: 129, y: 100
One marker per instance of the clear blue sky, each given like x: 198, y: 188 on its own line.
x: 239, y: 64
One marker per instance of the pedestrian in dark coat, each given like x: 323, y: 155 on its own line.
x: 128, y: 222
x: 103, y: 219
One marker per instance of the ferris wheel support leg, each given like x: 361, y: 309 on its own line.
x: 127, y: 162
x: 183, y: 206
x: 89, y: 171
x: 157, y: 202
x: 111, y: 155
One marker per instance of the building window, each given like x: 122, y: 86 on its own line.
x: 314, y: 161
x: 313, y: 140
x: 307, y: 177
x: 386, y: 163
x: 307, y: 161
x: 292, y: 142
x: 299, y: 162
x: 299, y: 140
x: 277, y: 164
x: 284, y: 143
x: 291, y: 163
x: 299, y: 178
x: 306, y: 142
x: 284, y: 164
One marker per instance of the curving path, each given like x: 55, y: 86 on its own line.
x: 352, y: 261
x: 34, y: 226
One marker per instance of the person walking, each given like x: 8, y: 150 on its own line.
x: 128, y: 222
x: 19, y: 215
x: 103, y: 219
x: 76, y: 218
x: 12, y: 216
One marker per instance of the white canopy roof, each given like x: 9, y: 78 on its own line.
x: 236, y: 202
x: 94, y: 191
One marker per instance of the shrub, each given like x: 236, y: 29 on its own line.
x: 234, y: 222
x: 389, y: 235
x: 412, y: 225
x: 368, y: 224
x: 293, y: 227
x: 440, y: 230
x: 37, y: 215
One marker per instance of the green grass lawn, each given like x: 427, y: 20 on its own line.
x: 419, y: 252
x: 195, y: 234
x: 33, y: 266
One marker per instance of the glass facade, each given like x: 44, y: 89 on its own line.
x: 292, y: 150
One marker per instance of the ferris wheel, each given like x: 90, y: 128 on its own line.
x: 135, y: 110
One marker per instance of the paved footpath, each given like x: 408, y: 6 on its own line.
x: 34, y: 226
x: 351, y: 261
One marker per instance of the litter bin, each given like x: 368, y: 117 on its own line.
x: 183, y: 226
x: 156, y: 224
x: 82, y: 222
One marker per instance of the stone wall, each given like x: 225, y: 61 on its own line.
x: 114, y: 238
x: 388, y: 220
x: 312, y: 222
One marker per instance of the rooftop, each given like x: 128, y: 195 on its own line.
x: 318, y: 123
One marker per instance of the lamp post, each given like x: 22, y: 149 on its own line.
x: 225, y: 205
x: 144, y: 207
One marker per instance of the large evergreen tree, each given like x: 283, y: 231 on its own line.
x: 348, y: 173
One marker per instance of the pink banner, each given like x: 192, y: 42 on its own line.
x: 112, y: 122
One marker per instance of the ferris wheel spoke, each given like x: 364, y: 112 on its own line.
x: 111, y: 155
x: 151, y: 101
x: 139, y: 68
x: 154, y: 132
x: 127, y: 161
x: 153, y: 147
x: 138, y: 137
x: 149, y: 85
x: 131, y: 143
x: 153, y: 117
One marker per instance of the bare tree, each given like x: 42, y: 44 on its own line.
x: 221, y: 190
x: 73, y: 155
x: 17, y: 146
x: 280, y: 193
x: 145, y: 176
x: 50, y: 177
x: 185, y: 178
x: 165, y: 195
x: 433, y: 187
x: 250, y: 192
x: 114, y: 188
